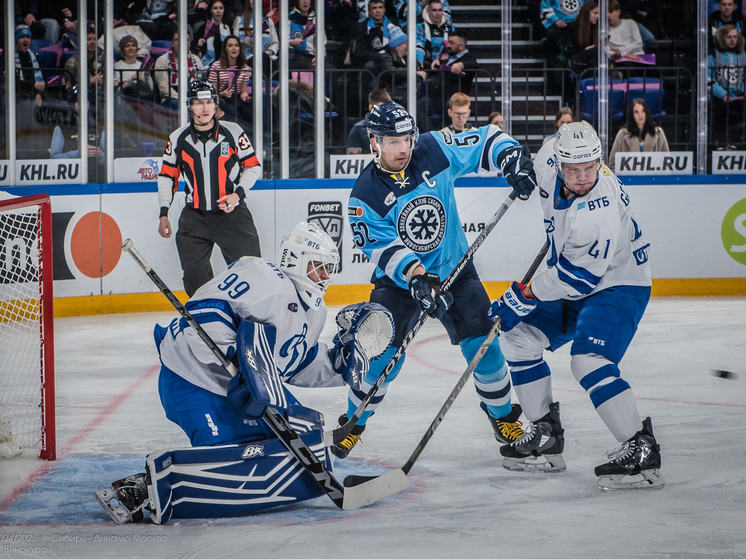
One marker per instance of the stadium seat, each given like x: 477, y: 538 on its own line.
x: 650, y: 89
x: 38, y: 44
x: 67, y: 56
x: 589, y: 100
x: 161, y: 45
x: 47, y: 59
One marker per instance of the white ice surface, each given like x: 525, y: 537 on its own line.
x: 461, y: 502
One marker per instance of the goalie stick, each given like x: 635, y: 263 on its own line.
x: 396, y: 475
x: 344, y: 498
x: 340, y: 433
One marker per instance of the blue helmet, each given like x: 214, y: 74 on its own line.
x: 391, y: 119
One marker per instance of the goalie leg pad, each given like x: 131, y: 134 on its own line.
x: 205, y: 482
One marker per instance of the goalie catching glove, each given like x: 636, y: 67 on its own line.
x: 512, y: 307
x: 518, y: 170
x: 425, y: 289
x: 366, y: 331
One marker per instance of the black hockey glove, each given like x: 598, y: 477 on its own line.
x: 518, y: 170
x: 425, y: 289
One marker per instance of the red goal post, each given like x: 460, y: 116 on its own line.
x: 27, y: 392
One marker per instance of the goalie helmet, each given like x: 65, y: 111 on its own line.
x: 576, y: 142
x: 309, y: 257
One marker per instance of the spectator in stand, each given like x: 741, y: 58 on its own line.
x: 302, y: 33
x: 432, y: 36
x: 341, y: 18
x: 563, y: 116
x: 358, y: 140
x: 131, y: 74
x: 624, y: 37
x: 457, y: 71
x: 229, y: 76
x: 95, y: 67
x: 167, y: 71
x: 400, y: 8
x: 30, y: 83
x: 726, y: 73
x: 158, y: 19
x: 391, y: 66
x: 243, y: 28
x: 639, y: 134
x: 556, y: 15
x: 581, y: 42
x: 496, y: 118
x: 69, y: 148
x: 649, y: 15
x: 372, y: 35
x: 45, y: 18
x: 209, y: 37
x: 459, y: 110
x: 728, y: 14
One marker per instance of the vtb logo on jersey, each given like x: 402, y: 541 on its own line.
x: 328, y: 216
x: 252, y: 451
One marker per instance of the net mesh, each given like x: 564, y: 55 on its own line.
x: 21, y: 364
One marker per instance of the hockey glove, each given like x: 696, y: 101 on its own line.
x: 518, y: 170
x: 512, y: 307
x: 423, y: 290
x: 349, y: 361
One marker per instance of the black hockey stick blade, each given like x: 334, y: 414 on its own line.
x: 340, y: 433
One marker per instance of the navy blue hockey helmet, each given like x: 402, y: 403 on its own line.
x: 201, y: 89
x: 391, y: 119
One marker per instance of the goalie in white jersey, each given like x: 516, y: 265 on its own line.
x: 593, y: 294
x: 267, y: 319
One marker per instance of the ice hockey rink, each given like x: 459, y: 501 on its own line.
x: 461, y: 502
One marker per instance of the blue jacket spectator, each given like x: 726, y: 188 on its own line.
x: 372, y: 35
x: 432, y: 34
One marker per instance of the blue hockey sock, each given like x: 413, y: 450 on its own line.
x: 376, y: 369
x: 490, y: 377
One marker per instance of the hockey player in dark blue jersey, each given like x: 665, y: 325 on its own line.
x: 403, y: 216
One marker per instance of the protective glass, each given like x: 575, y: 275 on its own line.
x: 580, y: 173
x: 397, y: 144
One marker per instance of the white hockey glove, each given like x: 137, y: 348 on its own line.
x: 366, y: 331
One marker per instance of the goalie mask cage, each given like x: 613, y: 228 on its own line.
x: 27, y: 324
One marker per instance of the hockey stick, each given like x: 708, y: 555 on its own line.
x: 353, y: 481
x: 340, y: 433
x: 344, y: 498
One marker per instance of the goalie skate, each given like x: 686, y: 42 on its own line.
x: 130, y: 494
x: 633, y: 465
x: 540, y: 449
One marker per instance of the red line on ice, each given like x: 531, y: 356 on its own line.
x: 80, y: 436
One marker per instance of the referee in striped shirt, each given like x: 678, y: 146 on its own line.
x: 218, y: 164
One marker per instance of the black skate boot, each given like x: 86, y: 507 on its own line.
x: 132, y: 495
x: 507, y: 429
x: 540, y: 449
x: 344, y: 448
x: 633, y: 465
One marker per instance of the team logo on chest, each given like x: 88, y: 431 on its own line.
x: 422, y: 224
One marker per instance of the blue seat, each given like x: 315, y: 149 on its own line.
x: 650, y: 89
x: 589, y: 100
x: 161, y: 44
x: 66, y: 56
x: 47, y: 59
x: 38, y: 44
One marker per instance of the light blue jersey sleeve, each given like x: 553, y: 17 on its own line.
x: 472, y: 150
x: 378, y: 238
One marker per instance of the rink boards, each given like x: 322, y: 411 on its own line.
x: 696, y: 226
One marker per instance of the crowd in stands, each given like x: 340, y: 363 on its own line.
x: 372, y: 35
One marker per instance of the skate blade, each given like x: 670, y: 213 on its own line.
x: 647, y: 479
x: 545, y: 463
x: 120, y: 515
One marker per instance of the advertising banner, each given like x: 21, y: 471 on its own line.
x: 654, y: 163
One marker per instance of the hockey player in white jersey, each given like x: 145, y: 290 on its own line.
x: 593, y: 294
x: 267, y: 318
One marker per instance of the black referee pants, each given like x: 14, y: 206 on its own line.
x: 199, y: 231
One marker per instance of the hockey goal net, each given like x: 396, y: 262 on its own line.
x: 26, y: 327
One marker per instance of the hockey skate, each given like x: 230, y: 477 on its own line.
x: 132, y: 495
x: 540, y: 449
x: 343, y: 449
x: 507, y: 429
x: 633, y: 465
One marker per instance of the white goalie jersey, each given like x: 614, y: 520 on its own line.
x: 250, y: 289
x: 594, y: 241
